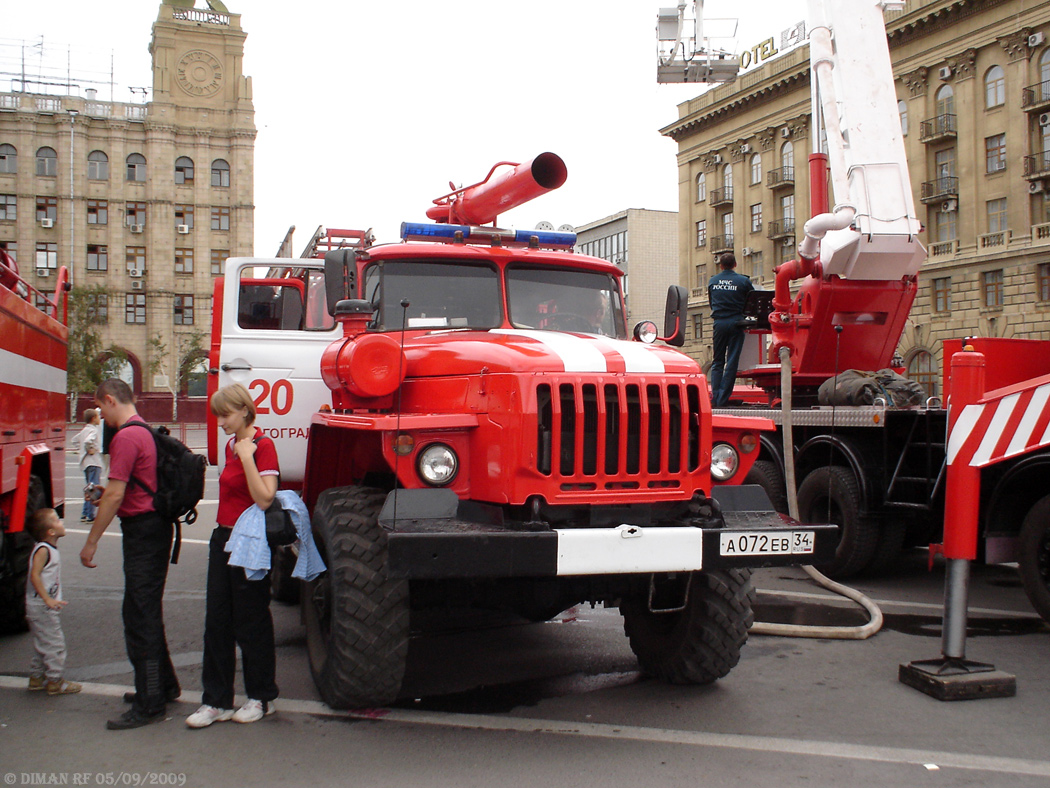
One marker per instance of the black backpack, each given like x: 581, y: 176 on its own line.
x: 180, y: 481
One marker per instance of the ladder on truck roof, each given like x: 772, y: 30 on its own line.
x: 328, y: 239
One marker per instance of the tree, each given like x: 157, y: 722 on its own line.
x: 90, y: 361
x: 189, y: 350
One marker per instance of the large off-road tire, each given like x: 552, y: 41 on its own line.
x: 284, y: 587
x: 832, y: 495
x: 357, y: 617
x: 767, y: 475
x: 15, y: 570
x: 700, y: 643
x: 1033, y: 559
x: 888, y: 545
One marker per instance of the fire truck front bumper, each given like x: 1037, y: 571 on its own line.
x: 448, y: 546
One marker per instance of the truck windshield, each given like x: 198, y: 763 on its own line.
x: 441, y: 294
x: 556, y: 299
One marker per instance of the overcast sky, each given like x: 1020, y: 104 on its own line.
x: 366, y: 110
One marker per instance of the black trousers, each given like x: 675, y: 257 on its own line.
x: 147, y: 548
x: 237, y: 614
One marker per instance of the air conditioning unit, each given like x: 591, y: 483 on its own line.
x: 139, y: 285
x: 136, y: 228
x: 949, y: 206
x: 46, y: 223
x: 182, y: 229
x: 1035, y: 187
x: 135, y: 272
x: 1036, y: 39
x: 718, y: 158
x: 945, y: 72
x: 43, y: 272
x: 747, y: 251
x: 1044, y: 119
x: 789, y: 242
x: 785, y: 133
x: 745, y: 148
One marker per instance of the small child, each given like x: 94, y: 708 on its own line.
x: 43, y: 601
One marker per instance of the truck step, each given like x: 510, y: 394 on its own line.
x: 912, y: 507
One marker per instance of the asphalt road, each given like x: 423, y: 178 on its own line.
x: 492, y: 702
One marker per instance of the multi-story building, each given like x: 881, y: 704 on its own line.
x: 649, y: 237
x: 146, y: 200
x: 973, y: 83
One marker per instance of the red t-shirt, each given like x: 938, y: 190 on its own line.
x: 234, y: 496
x: 132, y: 452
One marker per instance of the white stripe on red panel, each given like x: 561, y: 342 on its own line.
x: 16, y: 370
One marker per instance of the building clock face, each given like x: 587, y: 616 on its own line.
x: 199, y: 73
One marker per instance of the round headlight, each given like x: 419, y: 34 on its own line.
x: 646, y: 332
x: 438, y: 465
x: 724, y: 462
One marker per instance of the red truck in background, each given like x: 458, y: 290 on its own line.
x: 33, y: 342
x: 471, y: 424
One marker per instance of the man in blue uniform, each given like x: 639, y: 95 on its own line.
x: 726, y: 291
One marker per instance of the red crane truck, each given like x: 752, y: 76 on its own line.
x: 470, y: 425
x: 33, y: 340
x: 877, y: 470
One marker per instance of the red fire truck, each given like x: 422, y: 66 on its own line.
x: 471, y: 425
x: 33, y: 340
x: 879, y: 470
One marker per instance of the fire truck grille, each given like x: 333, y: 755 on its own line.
x: 618, y: 435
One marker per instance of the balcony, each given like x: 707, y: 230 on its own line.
x: 721, y: 243
x: 723, y: 196
x: 1037, y: 165
x: 782, y: 228
x: 939, y: 128
x: 944, y: 248
x: 1036, y: 98
x: 780, y: 179
x: 939, y: 189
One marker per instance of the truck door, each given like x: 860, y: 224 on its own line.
x: 274, y: 329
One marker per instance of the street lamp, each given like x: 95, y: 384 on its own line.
x: 72, y: 210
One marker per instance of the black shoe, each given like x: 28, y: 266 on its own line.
x: 170, y: 696
x: 134, y: 719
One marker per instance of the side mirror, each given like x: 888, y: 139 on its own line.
x: 674, y: 316
x: 340, y: 277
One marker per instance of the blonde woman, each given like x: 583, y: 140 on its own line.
x: 238, y: 609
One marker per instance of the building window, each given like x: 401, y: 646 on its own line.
x: 183, y: 170
x: 220, y: 173
x: 98, y: 166
x: 135, y: 214
x: 992, y: 287
x: 944, y: 163
x: 135, y: 258
x: 43, y: 300
x: 945, y: 100
x: 701, y: 233
x: 8, y: 159
x: 220, y: 218
x: 756, y: 218
x: 921, y: 370
x: 1043, y: 275
x: 47, y: 208
x: 995, y: 153
x: 135, y: 308
x: 902, y: 112
x: 47, y: 255
x: 757, y: 269
x: 97, y: 308
x: 698, y: 327
x: 8, y: 208
x: 184, y: 261
x: 996, y: 215
x: 994, y: 87
x: 184, y: 310
x: 945, y: 224
x: 218, y: 261
x: 701, y: 187
x: 46, y: 162
x: 97, y: 258
x: 11, y: 247
x: 756, y: 169
x: 136, y: 168
x: 727, y: 227
x: 727, y: 179
x: 97, y: 212
x: 942, y: 294
x: 787, y: 154
x: 184, y: 216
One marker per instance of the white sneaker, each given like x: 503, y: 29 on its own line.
x: 254, y: 710
x: 206, y: 715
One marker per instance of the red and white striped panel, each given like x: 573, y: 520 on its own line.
x: 995, y: 430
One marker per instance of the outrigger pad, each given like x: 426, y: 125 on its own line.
x: 957, y: 679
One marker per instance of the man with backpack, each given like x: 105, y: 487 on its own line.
x: 147, y: 540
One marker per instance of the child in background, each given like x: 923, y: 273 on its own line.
x: 43, y: 602
x: 89, y: 443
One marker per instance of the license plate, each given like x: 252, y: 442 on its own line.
x: 759, y: 543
